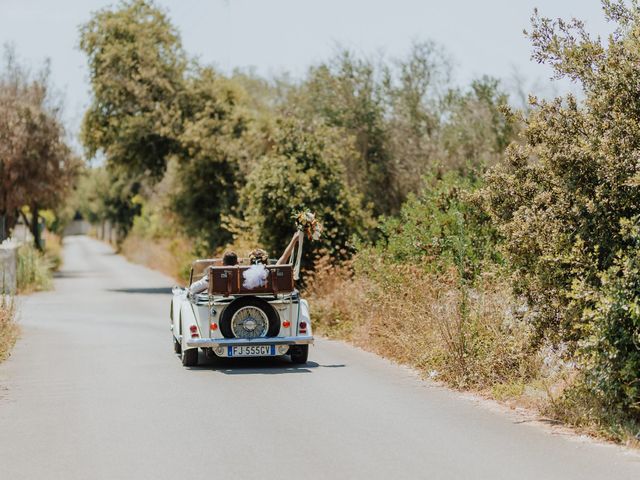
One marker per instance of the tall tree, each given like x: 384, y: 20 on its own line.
x: 346, y: 94
x: 207, y: 178
x: 136, y: 67
x: 37, y: 167
x: 304, y: 170
x: 414, y: 87
x: 477, y: 131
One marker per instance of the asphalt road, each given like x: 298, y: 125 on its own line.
x: 94, y: 391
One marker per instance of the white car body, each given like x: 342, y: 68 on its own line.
x: 192, y: 317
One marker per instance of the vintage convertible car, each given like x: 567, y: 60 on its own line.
x: 230, y: 320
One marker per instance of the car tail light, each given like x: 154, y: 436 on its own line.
x: 194, y: 331
x: 286, y: 324
x: 214, y: 326
x: 303, y: 327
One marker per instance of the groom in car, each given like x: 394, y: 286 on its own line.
x: 228, y: 259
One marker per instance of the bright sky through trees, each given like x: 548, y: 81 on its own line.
x: 277, y: 35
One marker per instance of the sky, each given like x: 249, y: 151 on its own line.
x: 274, y: 36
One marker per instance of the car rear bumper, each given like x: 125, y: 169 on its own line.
x: 225, y: 342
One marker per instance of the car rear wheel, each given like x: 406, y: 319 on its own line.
x: 190, y: 357
x: 176, y: 346
x: 299, y: 354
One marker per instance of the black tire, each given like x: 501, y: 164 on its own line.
x: 229, y: 312
x: 176, y: 346
x: 299, y: 354
x: 190, y: 357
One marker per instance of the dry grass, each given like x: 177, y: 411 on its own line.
x: 171, y: 257
x: 465, y: 337
x: 34, y: 270
x: 53, y: 250
x: 8, y: 327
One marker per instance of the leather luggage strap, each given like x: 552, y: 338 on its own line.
x: 229, y: 277
x: 274, y: 281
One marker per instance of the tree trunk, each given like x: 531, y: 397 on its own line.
x: 35, y: 228
x: 3, y: 227
x: 8, y: 220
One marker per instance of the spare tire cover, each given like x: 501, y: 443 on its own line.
x: 249, y: 317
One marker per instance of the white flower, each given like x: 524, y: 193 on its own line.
x: 255, y: 276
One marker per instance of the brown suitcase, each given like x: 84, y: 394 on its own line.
x: 228, y: 281
x: 223, y: 280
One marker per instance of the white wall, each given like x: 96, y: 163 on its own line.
x: 8, y: 263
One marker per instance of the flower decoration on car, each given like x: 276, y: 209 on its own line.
x: 307, y: 223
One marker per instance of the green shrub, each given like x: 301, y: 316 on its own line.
x: 303, y: 171
x: 610, y: 332
x: 53, y: 251
x: 443, y: 227
x: 430, y: 293
x: 33, y: 270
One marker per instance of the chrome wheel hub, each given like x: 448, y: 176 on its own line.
x: 249, y: 322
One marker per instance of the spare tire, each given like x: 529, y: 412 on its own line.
x: 249, y: 317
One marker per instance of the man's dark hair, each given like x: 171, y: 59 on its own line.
x: 229, y: 258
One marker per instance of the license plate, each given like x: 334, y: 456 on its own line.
x: 252, y: 351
